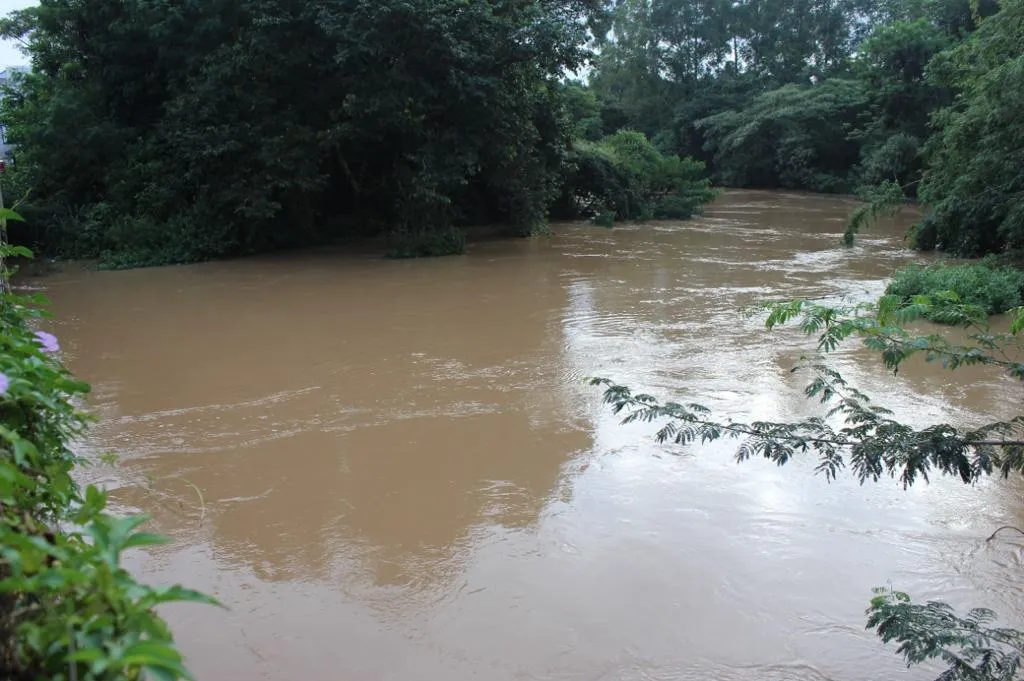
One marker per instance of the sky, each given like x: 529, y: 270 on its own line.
x: 9, y: 54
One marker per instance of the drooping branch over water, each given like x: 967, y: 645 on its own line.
x: 855, y: 434
x: 868, y: 440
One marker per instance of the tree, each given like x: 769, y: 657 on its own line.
x: 893, y: 65
x: 856, y: 434
x: 794, y: 137
x: 965, y: 165
x: 974, y: 184
x: 160, y: 131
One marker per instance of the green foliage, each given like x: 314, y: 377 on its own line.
x: 626, y: 176
x: 278, y: 124
x: 895, y: 159
x: 874, y: 443
x: 795, y: 137
x: 834, y: 97
x: 584, y: 111
x: 974, y: 185
x: 156, y: 132
x: 970, y: 648
x: 871, y: 442
x: 427, y: 244
x: 993, y: 289
x: 893, y: 64
x: 68, y: 609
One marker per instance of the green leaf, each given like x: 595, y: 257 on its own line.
x: 156, y: 673
x: 8, y: 214
x: 145, y: 539
x: 121, y: 528
x: 156, y: 652
x: 169, y: 594
x: 89, y: 655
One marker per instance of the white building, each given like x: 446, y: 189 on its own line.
x: 5, y: 77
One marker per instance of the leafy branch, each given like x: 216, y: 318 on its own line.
x: 971, y: 649
x: 870, y: 442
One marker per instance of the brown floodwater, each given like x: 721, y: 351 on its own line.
x: 393, y: 469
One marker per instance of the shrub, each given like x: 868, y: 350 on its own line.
x: 68, y: 609
x: 994, y: 289
x: 675, y: 207
x: 427, y: 244
x: 626, y: 175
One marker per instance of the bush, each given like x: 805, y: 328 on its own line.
x: 427, y: 244
x: 626, y: 175
x: 994, y: 289
x: 68, y: 609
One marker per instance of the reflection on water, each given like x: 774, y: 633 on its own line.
x: 393, y: 470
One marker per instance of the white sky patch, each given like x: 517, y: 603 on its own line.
x: 10, y: 54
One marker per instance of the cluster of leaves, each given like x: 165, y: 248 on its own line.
x: 154, y: 132
x: 970, y: 648
x: 68, y: 609
x: 856, y: 434
x: 994, y: 289
x: 624, y: 177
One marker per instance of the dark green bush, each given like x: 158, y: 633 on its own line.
x: 674, y: 207
x: 624, y: 174
x: 994, y: 289
x: 68, y: 609
x: 427, y: 244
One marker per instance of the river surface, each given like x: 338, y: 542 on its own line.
x: 393, y: 469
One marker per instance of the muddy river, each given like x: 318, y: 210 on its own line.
x: 392, y: 470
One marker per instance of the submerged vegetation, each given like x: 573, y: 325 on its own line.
x: 993, y: 289
x: 623, y: 177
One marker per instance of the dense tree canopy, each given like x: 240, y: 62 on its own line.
x: 179, y: 130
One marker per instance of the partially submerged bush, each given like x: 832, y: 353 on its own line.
x: 68, y: 609
x: 626, y: 175
x: 427, y: 244
x: 993, y: 289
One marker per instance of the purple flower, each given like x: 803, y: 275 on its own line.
x: 5, y: 383
x: 48, y: 341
